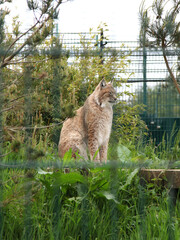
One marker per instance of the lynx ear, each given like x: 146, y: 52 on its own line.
x: 111, y: 82
x: 103, y: 83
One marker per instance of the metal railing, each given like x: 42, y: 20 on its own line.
x: 49, y: 196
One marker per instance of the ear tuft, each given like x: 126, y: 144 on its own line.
x: 111, y: 82
x: 103, y: 83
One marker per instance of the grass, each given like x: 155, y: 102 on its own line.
x: 93, y: 207
x: 42, y: 202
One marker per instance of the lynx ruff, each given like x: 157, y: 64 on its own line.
x: 90, y: 129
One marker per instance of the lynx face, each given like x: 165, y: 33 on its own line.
x: 106, y: 94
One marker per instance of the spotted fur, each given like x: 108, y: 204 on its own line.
x: 90, y: 129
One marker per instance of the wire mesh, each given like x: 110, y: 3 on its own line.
x: 150, y: 85
x: 148, y: 80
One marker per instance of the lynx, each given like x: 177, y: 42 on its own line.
x: 90, y: 129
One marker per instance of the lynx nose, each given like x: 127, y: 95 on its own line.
x: 115, y: 98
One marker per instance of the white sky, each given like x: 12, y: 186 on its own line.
x: 121, y: 16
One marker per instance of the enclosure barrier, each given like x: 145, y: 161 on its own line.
x: 29, y: 169
x: 146, y: 75
x: 86, y: 185
x: 148, y: 79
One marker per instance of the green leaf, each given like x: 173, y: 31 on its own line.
x: 124, y: 153
x: 47, y: 185
x: 70, y: 178
x: 99, y: 184
x: 75, y: 199
x: 108, y: 196
x: 42, y: 172
x: 176, y: 164
x: 96, y: 153
x: 130, y: 179
x: 67, y: 156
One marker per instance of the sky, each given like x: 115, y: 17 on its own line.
x: 121, y: 16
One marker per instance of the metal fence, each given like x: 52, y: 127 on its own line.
x: 149, y: 80
x: 149, y: 83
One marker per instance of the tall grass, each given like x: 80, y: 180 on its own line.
x: 148, y: 153
x: 105, y: 204
x: 41, y: 201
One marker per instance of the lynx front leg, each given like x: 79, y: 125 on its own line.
x: 103, y: 152
x: 93, y: 150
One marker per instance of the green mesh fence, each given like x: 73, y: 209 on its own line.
x: 149, y: 81
x: 53, y: 205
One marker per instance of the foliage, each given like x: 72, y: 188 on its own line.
x: 54, y: 199
x: 55, y: 88
x: 25, y: 102
x: 105, y: 201
x: 127, y: 123
x: 163, y: 95
x: 25, y: 42
x: 161, y: 28
x: 43, y: 197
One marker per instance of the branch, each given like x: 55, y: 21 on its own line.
x: 169, y: 69
x: 7, y: 85
x: 14, y: 129
x: 8, y: 59
x: 17, y: 39
x: 3, y: 155
x: 28, y: 62
x: 14, y: 100
x: 13, y: 106
x: 6, y: 109
x: 175, y: 11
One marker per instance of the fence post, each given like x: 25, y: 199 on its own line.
x: 113, y: 207
x: 144, y: 69
x: 144, y: 76
x: 141, y: 209
x: 55, y: 89
x: 171, y: 208
x: 102, y: 45
x: 28, y: 142
x: 1, y: 153
x: 57, y: 228
x: 85, y: 212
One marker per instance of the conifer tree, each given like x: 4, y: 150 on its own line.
x: 160, y: 27
x: 45, y: 11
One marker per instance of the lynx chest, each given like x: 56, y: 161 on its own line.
x: 104, y: 127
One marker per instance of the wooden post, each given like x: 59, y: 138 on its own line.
x: 166, y: 177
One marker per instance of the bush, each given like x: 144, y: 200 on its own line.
x: 49, y: 89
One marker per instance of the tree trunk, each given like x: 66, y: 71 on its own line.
x: 169, y: 69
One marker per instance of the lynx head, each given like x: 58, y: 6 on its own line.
x: 105, y: 94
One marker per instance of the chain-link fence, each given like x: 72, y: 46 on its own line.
x: 146, y: 74
x: 148, y: 80
x: 54, y: 199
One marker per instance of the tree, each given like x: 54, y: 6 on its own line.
x: 19, y: 83
x: 45, y: 11
x: 160, y: 28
